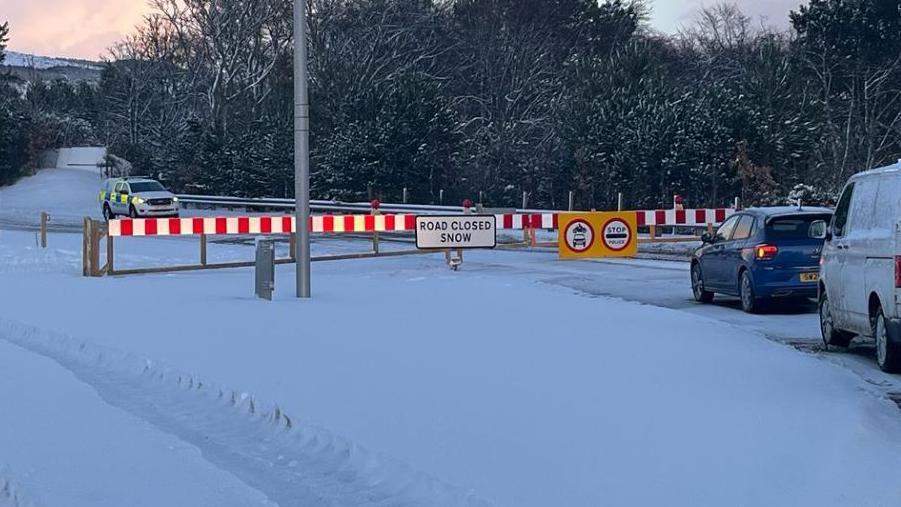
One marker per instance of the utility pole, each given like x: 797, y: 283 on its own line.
x: 301, y: 150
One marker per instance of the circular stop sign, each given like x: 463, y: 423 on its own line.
x: 616, y: 234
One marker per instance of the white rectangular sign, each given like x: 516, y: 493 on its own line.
x: 460, y: 231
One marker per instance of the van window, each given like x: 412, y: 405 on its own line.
x: 888, y: 202
x: 744, y: 228
x: 862, y: 216
x: 840, y: 219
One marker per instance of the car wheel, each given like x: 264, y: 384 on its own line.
x: 697, y: 285
x: 888, y: 354
x: 831, y: 335
x: 749, y: 301
x: 108, y: 213
x: 132, y: 212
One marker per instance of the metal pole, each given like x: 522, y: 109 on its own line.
x: 46, y: 217
x: 571, y: 200
x: 301, y: 150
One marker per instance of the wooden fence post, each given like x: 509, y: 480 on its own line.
x: 652, y: 230
x: 86, y: 247
x: 95, y: 250
x: 45, y: 217
x: 109, y: 255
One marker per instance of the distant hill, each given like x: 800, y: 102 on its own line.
x: 28, y: 67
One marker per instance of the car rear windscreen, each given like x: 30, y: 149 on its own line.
x: 146, y: 186
x: 792, y: 227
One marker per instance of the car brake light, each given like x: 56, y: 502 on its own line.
x: 765, y: 252
x: 898, y: 271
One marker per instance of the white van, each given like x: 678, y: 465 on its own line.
x: 860, y: 270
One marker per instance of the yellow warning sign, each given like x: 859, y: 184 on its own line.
x: 602, y: 234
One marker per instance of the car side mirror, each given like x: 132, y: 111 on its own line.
x: 818, y: 229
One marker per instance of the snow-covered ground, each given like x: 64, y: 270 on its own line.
x: 521, y: 380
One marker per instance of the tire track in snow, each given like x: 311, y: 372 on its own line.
x: 292, y: 463
x: 10, y: 494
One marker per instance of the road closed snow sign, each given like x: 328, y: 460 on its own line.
x: 603, y: 234
x: 466, y: 231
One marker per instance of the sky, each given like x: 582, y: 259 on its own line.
x: 85, y: 28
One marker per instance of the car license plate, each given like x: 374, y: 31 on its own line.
x: 810, y: 277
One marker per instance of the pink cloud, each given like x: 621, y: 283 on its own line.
x: 87, y: 28
x: 670, y: 15
x: 75, y: 28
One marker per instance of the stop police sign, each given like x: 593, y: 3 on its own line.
x: 603, y: 234
x: 617, y: 234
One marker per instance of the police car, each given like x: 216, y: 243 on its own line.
x: 137, y: 197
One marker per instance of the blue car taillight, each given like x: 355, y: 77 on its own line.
x: 765, y: 252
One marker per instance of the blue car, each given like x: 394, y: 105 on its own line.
x: 761, y: 254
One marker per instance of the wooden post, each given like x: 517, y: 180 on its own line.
x: 110, y: 269
x: 652, y: 230
x: 572, y: 200
x: 292, y: 246
x: 95, y: 249
x: 44, y: 219
x: 532, y: 241
x: 203, y: 249
x: 710, y: 230
x: 619, y: 201
x: 86, y: 247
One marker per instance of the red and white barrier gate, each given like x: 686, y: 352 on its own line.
x: 374, y: 223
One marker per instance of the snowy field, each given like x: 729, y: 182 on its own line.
x: 519, y: 381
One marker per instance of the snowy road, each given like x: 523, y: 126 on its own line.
x: 521, y: 380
